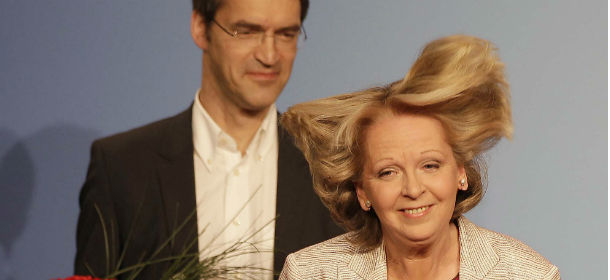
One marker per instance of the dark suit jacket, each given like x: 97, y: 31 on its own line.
x: 141, y: 184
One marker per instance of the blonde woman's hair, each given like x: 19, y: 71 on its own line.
x: 458, y: 80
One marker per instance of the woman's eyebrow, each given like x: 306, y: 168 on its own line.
x: 431, y: 151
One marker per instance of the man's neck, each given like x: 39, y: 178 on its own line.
x: 240, y: 124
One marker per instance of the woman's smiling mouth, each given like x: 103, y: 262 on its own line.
x: 416, y: 212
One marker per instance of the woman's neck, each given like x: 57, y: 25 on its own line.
x: 437, y: 258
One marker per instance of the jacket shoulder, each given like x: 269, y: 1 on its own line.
x: 335, y: 248
x: 320, y: 261
x: 517, y: 258
x: 143, y: 137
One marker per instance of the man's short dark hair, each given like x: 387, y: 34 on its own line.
x: 208, y: 8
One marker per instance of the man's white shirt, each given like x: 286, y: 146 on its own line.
x: 235, y: 193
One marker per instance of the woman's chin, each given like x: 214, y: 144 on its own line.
x: 419, y: 238
x: 415, y: 236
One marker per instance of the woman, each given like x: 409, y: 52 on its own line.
x: 397, y: 166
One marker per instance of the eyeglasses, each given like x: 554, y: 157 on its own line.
x: 253, y: 35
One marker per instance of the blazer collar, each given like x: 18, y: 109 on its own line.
x: 369, y: 264
x: 477, y: 256
x: 177, y: 140
x: 177, y: 181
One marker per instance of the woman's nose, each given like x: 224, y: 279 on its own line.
x: 411, y: 187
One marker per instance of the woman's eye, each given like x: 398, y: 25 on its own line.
x: 431, y: 166
x: 386, y: 173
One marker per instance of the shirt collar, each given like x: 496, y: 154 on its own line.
x: 266, y: 135
x: 208, y: 137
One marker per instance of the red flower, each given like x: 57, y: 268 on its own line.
x: 77, y: 277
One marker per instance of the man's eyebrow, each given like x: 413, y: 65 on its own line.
x: 246, y: 24
x: 295, y: 27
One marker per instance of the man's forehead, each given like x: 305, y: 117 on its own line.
x: 261, y: 12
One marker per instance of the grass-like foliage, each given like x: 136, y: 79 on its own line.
x: 191, y: 266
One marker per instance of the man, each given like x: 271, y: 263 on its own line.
x: 225, y: 156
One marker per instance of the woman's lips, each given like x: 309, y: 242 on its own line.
x: 416, y: 212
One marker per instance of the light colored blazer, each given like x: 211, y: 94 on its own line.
x: 484, y: 254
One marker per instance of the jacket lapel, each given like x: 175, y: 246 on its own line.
x: 369, y: 264
x: 286, y: 168
x: 302, y: 220
x: 477, y: 256
x: 177, y: 183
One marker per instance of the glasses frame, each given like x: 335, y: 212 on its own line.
x: 235, y: 35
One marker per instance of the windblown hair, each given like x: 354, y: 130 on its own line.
x: 458, y: 80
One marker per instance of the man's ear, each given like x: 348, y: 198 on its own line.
x: 198, y: 31
x: 362, y: 197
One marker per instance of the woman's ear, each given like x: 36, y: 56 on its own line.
x: 462, y: 179
x: 363, y: 199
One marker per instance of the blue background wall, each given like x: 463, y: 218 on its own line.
x: 72, y: 71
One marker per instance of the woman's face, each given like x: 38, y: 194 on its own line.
x: 410, y: 177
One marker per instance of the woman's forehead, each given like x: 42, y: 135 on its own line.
x: 405, y: 132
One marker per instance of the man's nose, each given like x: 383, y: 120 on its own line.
x: 266, y: 53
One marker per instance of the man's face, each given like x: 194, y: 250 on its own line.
x: 250, y: 73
